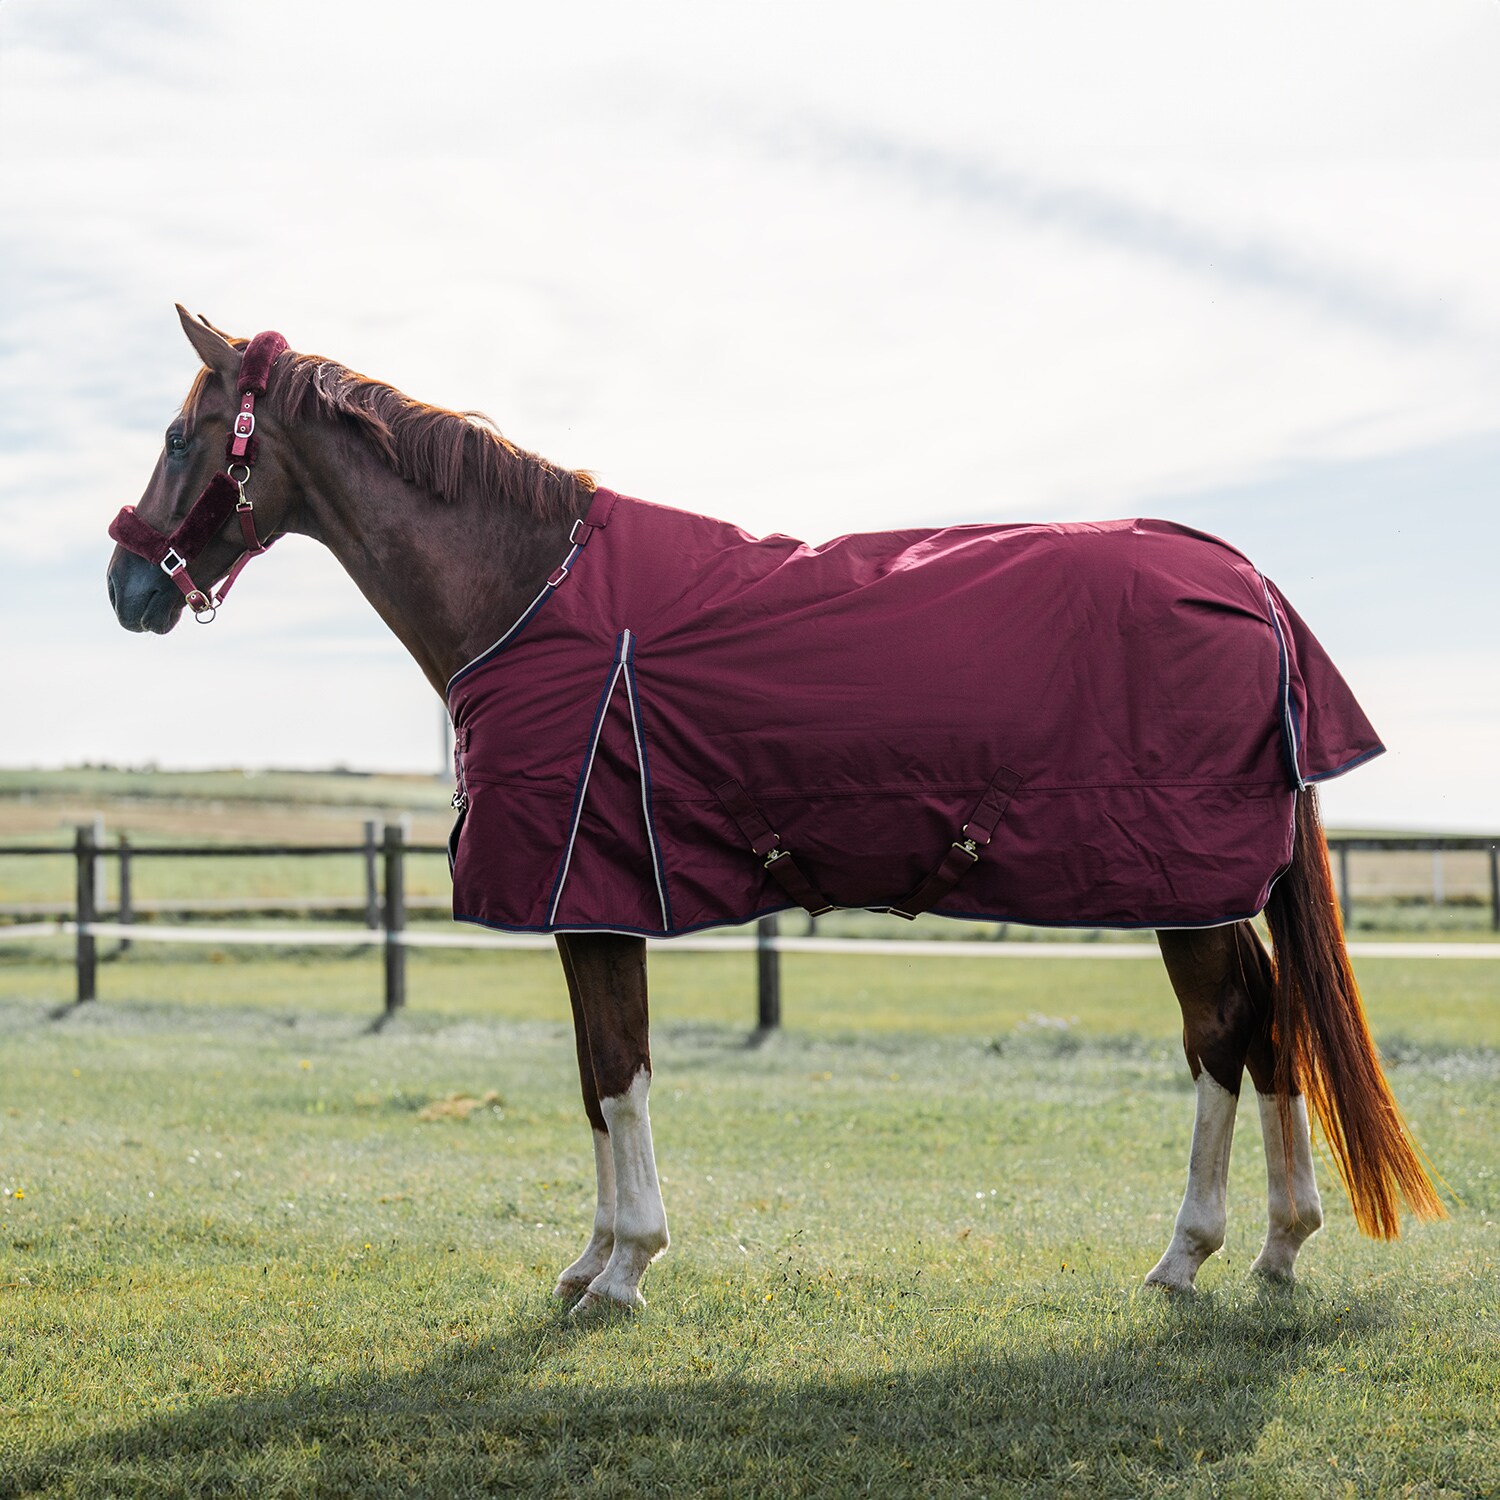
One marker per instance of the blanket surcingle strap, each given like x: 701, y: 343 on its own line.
x: 963, y: 853
x: 763, y: 841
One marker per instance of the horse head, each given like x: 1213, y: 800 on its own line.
x: 174, y: 550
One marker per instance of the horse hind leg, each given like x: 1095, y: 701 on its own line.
x: 607, y: 975
x: 1213, y: 972
x: 1294, y: 1210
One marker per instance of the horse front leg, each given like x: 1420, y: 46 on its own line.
x: 1217, y: 974
x: 574, y: 1282
x: 607, y: 983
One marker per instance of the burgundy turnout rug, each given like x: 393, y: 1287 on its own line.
x: 1087, y: 724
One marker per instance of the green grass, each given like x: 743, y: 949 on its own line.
x: 350, y: 789
x: 908, y: 1233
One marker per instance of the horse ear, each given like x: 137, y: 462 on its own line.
x: 213, y: 348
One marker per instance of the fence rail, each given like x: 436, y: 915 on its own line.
x: 386, y: 905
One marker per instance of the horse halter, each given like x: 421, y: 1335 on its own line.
x: 222, y: 495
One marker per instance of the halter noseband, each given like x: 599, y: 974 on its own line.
x: 223, y: 494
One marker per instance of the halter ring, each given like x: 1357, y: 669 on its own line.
x: 240, y: 482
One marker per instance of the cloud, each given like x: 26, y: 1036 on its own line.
x: 1106, y: 218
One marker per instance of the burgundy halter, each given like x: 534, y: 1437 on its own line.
x: 223, y: 494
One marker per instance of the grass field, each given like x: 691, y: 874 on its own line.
x: 249, y: 1246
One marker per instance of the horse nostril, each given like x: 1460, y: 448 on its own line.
x: 113, y: 602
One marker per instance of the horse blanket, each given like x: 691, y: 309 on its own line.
x: 1100, y: 724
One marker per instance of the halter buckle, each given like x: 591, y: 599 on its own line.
x: 173, y: 563
x: 244, y: 424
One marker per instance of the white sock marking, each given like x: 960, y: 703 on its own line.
x: 1201, y: 1219
x: 640, y: 1220
x: 602, y: 1241
x: 1294, y: 1211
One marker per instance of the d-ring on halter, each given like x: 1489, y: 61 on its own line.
x: 222, y: 495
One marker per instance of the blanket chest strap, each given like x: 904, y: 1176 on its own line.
x: 963, y: 853
x: 763, y: 841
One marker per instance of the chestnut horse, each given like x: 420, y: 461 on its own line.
x: 450, y: 532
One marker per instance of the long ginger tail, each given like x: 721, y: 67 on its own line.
x: 1323, y: 1044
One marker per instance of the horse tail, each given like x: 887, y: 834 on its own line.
x: 1323, y: 1044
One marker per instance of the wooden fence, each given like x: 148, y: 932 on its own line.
x: 383, y: 853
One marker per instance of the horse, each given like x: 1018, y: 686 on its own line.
x: 460, y: 540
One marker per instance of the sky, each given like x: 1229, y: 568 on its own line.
x: 813, y: 267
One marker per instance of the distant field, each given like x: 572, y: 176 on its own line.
x: 1393, y: 892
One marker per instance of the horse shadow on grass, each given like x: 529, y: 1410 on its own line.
x: 1157, y: 1402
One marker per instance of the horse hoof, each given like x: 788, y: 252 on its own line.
x: 592, y: 1307
x: 1157, y: 1283
x: 570, y: 1291
x: 1273, y: 1278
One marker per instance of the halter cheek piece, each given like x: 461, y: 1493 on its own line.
x: 223, y: 494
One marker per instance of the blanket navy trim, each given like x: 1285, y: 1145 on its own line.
x: 771, y: 911
x: 579, y: 792
x: 1348, y: 765
x: 505, y: 640
x: 632, y: 693
x: 1291, y: 738
x: 596, y: 518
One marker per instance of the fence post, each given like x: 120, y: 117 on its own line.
x: 395, y: 918
x: 101, y: 893
x: 1495, y: 887
x: 87, y: 958
x: 372, y: 874
x: 127, y: 905
x: 1344, y: 901
x: 767, y: 976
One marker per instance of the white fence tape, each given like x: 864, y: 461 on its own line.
x: 327, y: 936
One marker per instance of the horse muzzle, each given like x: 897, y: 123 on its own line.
x: 141, y: 595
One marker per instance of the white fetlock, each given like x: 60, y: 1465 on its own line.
x: 639, y: 1220
x: 1177, y: 1270
x: 575, y: 1281
x: 1201, y: 1220
x: 1294, y: 1210
x: 578, y: 1277
x: 593, y: 1305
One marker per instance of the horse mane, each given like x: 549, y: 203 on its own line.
x: 448, y: 453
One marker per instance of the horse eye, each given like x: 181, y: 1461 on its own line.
x: 176, y: 443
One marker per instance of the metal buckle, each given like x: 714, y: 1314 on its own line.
x: 574, y: 539
x: 774, y: 855
x: 167, y: 565
x: 244, y: 424
x: 967, y: 846
x: 558, y: 574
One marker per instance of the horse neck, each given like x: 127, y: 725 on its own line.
x: 447, y: 576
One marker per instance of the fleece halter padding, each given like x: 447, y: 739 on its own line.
x: 223, y: 496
